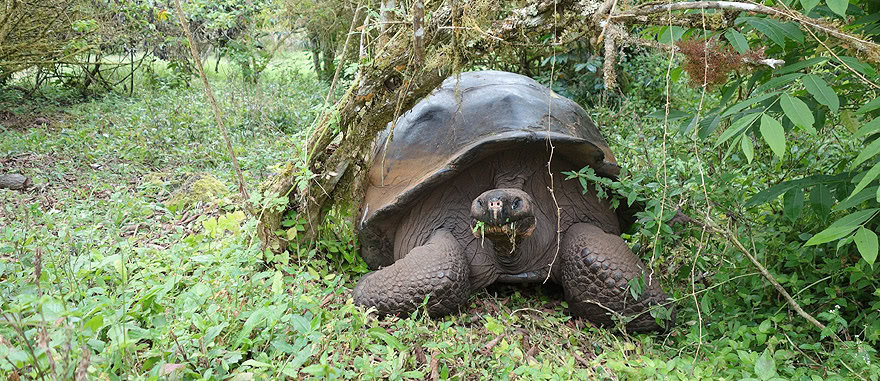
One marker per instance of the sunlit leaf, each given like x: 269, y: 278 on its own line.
x: 870, y: 106
x: 748, y: 148
x: 838, y: 6
x: 773, y: 134
x: 870, y: 151
x: 797, y: 111
x: 869, y: 177
x: 809, y: 5
x: 866, y: 242
x: 737, y: 127
x: 819, y: 89
x: 842, y: 227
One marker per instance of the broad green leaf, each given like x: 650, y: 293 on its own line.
x: 792, y: 31
x: 820, y: 200
x: 765, y: 366
x: 773, y: 134
x: 737, y: 40
x: 867, y: 153
x: 809, y: 5
x: 391, y: 341
x: 768, y: 27
x: 797, y: 66
x: 748, y: 148
x: 853, y: 200
x: 870, y: 106
x: 838, y: 6
x: 820, y: 90
x: 830, y: 234
x: 773, y: 192
x: 869, y: 177
x: 842, y: 227
x: 277, y: 284
x: 866, y: 242
x: 748, y: 102
x: 797, y: 112
x: 868, y: 129
x: 858, y: 65
x: 776, y: 82
x: 737, y: 127
x: 793, y: 204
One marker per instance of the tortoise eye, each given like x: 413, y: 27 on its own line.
x: 517, y: 204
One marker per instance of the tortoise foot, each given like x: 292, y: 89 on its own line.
x: 436, y: 270
x: 597, y: 268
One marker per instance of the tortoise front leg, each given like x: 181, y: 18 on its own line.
x: 596, y: 270
x: 437, y: 268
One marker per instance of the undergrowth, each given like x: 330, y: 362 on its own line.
x: 100, y: 278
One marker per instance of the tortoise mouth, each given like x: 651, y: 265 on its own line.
x: 514, y: 230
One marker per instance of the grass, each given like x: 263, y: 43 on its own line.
x: 102, y: 278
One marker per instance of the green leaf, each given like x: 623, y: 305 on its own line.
x: 856, y: 199
x: 793, y: 32
x: 797, y: 66
x: 773, y: 134
x: 820, y: 90
x: 768, y: 27
x: 867, y: 153
x: 737, y: 127
x: 277, y: 285
x: 869, y: 177
x: 748, y: 102
x: 765, y: 367
x: 793, y: 204
x: 391, y: 341
x: 809, y: 5
x: 838, y: 6
x: 842, y: 227
x: 806, y: 182
x: 866, y: 242
x: 870, y: 106
x: 868, y: 129
x: 776, y: 82
x: 797, y: 112
x: 737, y: 40
x: 748, y: 148
x: 820, y: 200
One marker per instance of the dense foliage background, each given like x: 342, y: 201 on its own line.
x: 133, y: 257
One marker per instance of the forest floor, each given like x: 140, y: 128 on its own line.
x: 147, y: 268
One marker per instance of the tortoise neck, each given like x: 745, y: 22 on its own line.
x: 507, y: 250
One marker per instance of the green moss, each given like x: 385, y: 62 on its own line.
x: 202, y: 188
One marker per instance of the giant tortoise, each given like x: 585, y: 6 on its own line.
x: 460, y: 197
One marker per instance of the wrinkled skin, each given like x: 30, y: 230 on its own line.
x: 433, y: 250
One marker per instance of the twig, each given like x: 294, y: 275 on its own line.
x: 766, y: 274
x: 210, y: 94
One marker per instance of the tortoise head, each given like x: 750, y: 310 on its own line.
x: 505, y: 216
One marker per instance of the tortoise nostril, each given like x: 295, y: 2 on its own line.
x: 495, y: 203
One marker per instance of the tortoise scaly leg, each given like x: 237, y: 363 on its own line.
x: 437, y: 268
x: 596, y: 270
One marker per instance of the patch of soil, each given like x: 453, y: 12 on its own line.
x: 22, y: 122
